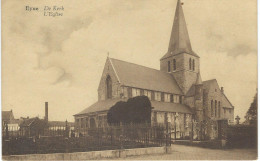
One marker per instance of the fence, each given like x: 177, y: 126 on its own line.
x: 109, y: 138
x: 23, y: 132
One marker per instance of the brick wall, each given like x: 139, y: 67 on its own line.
x: 215, y: 94
x: 183, y: 75
x: 189, y: 101
x: 179, y: 63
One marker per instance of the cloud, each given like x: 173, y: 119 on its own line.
x: 241, y: 49
x: 238, y: 76
x: 60, y: 60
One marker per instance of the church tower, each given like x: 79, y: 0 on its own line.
x: 180, y: 60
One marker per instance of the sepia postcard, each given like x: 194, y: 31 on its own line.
x: 129, y: 80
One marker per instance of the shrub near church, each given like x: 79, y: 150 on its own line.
x: 135, y: 110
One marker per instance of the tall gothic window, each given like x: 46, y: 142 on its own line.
x: 193, y: 64
x: 169, y: 66
x: 215, y: 108
x: 109, y: 87
x: 174, y: 64
x: 211, y: 108
x: 219, y: 109
x: 190, y: 64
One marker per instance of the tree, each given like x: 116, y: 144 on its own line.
x: 135, y: 110
x: 251, y: 115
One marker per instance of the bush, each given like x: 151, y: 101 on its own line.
x: 135, y: 110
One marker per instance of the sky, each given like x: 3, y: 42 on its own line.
x: 60, y: 59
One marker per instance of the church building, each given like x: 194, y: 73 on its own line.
x: 177, y: 93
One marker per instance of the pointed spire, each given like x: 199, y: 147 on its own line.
x: 179, y: 41
x: 198, y: 80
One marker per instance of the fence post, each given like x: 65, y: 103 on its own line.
x: 6, y: 131
x: 111, y: 134
x: 67, y: 144
x: 121, y: 135
x: 175, y: 128
x: 66, y: 129
x: 166, y: 138
x: 192, y: 133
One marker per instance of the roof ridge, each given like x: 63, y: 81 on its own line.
x: 227, y: 99
x: 114, y: 69
x: 139, y: 65
x: 209, y: 80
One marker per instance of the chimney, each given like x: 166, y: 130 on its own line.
x: 222, y: 89
x: 46, y: 112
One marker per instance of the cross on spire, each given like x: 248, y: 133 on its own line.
x: 179, y: 41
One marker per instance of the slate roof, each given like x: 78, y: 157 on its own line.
x: 178, y: 51
x: 191, y: 91
x: 99, y: 106
x: 34, y: 122
x: 138, y: 76
x: 157, y: 106
x: 6, y: 115
x: 170, y: 107
x: 179, y: 41
x: 208, y: 83
x: 225, y: 102
x: 28, y: 122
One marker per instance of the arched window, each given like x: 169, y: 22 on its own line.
x: 215, y: 108
x: 169, y: 66
x: 109, y: 87
x: 193, y: 64
x: 174, y: 64
x: 190, y: 64
x: 219, y: 109
x: 211, y: 108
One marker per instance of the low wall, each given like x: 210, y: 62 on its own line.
x: 90, y: 155
x: 212, y: 144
